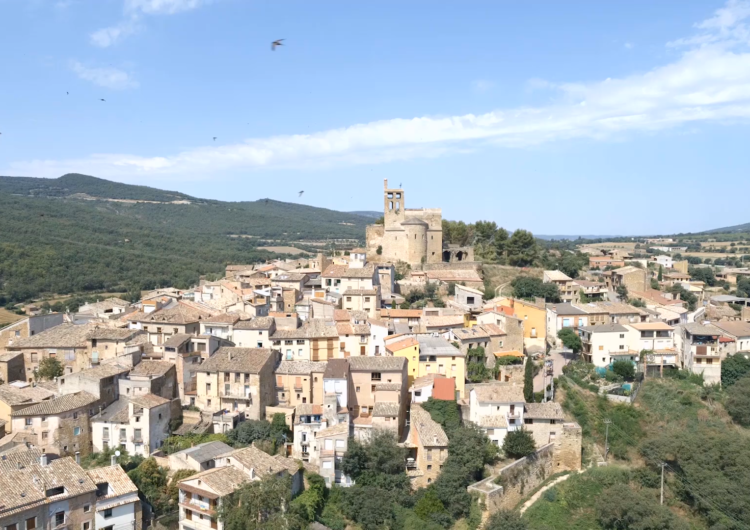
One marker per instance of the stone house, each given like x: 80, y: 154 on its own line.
x: 614, y: 312
x: 380, y: 395
x: 633, y: 278
x: 12, y: 367
x: 14, y: 397
x: 410, y: 317
x: 331, y: 445
x: 138, y: 424
x: 432, y: 386
x: 739, y: 331
x: 367, y: 300
x: 220, y: 325
x: 101, y: 381
x: 427, y: 446
x: 569, y: 291
x: 254, y: 333
x: 341, y: 278
x: 468, y: 298
x: 496, y: 408
x: 316, y: 340
x: 66, y: 500
x: 61, y: 425
x: 602, y: 262
x: 299, y: 382
x: 561, y: 316
x: 544, y: 421
x: 239, y: 380
x: 163, y: 323
x: 117, y: 502
x: 28, y: 327
x: 107, y: 344
x: 354, y: 339
x: 151, y: 377
x: 534, y: 317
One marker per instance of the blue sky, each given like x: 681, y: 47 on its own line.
x: 620, y: 117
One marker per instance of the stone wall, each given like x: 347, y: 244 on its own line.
x: 513, y: 482
x: 374, y: 236
x: 459, y: 266
x: 568, y: 448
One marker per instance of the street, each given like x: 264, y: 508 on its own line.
x: 559, y: 359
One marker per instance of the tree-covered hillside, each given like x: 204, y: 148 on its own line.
x: 57, y: 244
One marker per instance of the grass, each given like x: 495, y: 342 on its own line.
x: 504, y: 274
x: 8, y: 317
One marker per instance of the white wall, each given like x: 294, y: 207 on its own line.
x: 123, y: 516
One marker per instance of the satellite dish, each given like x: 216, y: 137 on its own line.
x: 117, y: 453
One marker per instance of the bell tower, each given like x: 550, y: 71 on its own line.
x: 393, y: 205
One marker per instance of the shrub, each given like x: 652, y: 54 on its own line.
x: 624, y: 369
x: 738, y: 401
x: 518, y: 444
x: 506, y: 520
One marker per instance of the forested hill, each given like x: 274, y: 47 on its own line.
x: 52, y: 241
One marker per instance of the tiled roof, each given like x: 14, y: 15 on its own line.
x: 247, y: 360
x: 557, y: 276
x: 445, y: 389
x: 259, y: 461
x: 58, y: 405
x: 423, y: 382
x: 20, y: 488
x: 385, y: 410
x: 148, y: 400
x: 61, y: 336
x: 387, y: 364
x: 103, y: 371
x: 300, y: 367
x: 566, y: 309
x: 736, y: 329
x: 333, y: 430
x: 13, y: 395
x: 653, y: 326
x: 117, y: 412
x: 123, y: 334
x: 613, y: 308
x: 694, y: 328
x: 454, y: 275
x: 499, y: 393
x: 401, y: 313
x: 343, y: 271
x: 431, y: 434
x: 151, y: 368
x: 115, y: 476
x: 313, y: 328
x: 308, y: 409
x: 222, y: 480
x: 204, y: 452
x: 360, y: 292
x: 605, y: 328
x: 388, y: 386
x: 401, y: 344
x: 181, y: 313
x: 290, y: 277
x: 448, y: 321
x: 337, y: 369
x: 255, y: 323
x: 544, y: 411
x: 177, y: 340
x: 492, y: 421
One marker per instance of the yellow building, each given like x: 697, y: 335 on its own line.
x: 438, y: 356
x: 534, y: 319
x: 408, y: 348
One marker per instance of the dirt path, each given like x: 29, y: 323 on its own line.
x: 538, y: 494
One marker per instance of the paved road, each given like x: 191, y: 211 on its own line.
x: 559, y: 359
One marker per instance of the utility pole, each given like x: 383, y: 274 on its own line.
x: 606, y: 438
x: 663, y: 465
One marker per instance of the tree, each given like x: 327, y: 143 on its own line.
x: 743, y: 287
x: 685, y: 295
x: 379, y: 250
x: 518, y: 444
x: 262, y: 504
x: 429, y: 506
x: 660, y: 277
x: 655, y: 285
x: 506, y: 520
x: 371, y: 462
x: 738, y: 401
x: 529, y: 288
x: 49, y: 369
x: 444, y: 412
x: 311, y: 502
x: 528, y: 381
x: 622, y: 292
x: 476, y: 367
x: 625, y: 369
x: 621, y: 508
x: 151, y: 481
x: 733, y: 368
x: 570, y: 340
x: 703, y: 274
x: 521, y: 249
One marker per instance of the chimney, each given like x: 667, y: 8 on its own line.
x: 78, y: 458
x: 113, y: 461
x: 43, y: 460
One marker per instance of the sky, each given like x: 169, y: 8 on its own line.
x: 581, y: 117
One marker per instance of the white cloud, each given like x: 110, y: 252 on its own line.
x: 710, y: 81
x: 106, y: 37
x: 629, y: 45
x: 162, y: 7
x: 108, y: 77
x: 482, y: 85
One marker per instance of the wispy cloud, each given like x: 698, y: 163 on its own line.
x: 108, y: 77
x: 710, y: 81
x: 482, y: 85
x: 629, y: 45
x: 106, y: 37
x: 134, y: 11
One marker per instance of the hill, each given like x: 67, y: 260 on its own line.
x: 729, y: 229
x: 368, y: 213
x: 55, y: 239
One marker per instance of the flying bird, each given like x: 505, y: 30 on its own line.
x: 102, y: 100
x: 215, y: 137
x: 399, y: 184
x: 67, y: 93
x: 276, y: 43
x: 301, y: 192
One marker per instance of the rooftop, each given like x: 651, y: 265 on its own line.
x: 255, y: 323
x: 544, y: 411
x: 148, y: 401
x: 119, y: 482
x: 180, y: 313
x: 437, y: 346
x: 401, y: 313
x: 259, y: 461
x: 430, y: 433
x: 300, y: 367
x: 605, y: 328
x: 377, y: 364
x: 247, y: 360
x: 118, y: 334
x: 652, y: 326
x: 736, y: 328
x: 177, y: 340
x: 12, y: 395
x: 221, y: 480
x: 401, y: 344
x: 204, y: 452
x: 557, y: 276
x: 151, y: 368
x: 61, y: 336
x: 385, y: 410
x: 497, y: 392
x: 337, y: 369
x: 344, y: 271
x: 445, y: 389
x: 66, y: 403
x: 565, y: 309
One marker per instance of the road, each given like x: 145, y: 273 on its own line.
x: 559, y: 359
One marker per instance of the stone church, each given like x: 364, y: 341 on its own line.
x: 414, y: 236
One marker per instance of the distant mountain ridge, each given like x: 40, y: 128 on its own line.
x: 368, y: 213
x: 729, y: 229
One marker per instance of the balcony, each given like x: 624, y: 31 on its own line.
x: 190, y: 387
x: 137, y: 439
x: 328, y: 453
x: 298, y: 388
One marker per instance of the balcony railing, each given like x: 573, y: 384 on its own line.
x: 137, y: 439
x: 331, y: 452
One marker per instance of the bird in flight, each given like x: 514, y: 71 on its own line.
x: 276, y: 43
x: 215, y: 137
x: 103, y: 100
x: 399, y: 184
x: 301, y: 192
x: 67, y: 93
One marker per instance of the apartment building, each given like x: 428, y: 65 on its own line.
x: 702, y: 347
x: 438, y: 356
x: 117, y: 503
x: 299, y: 382
x: 380, y: 395
x: 316, y: 340
x: 139, y: 424
x: 604, y: 344
x: 496, y: 408
x: 254, y: 333
x: 569, y: 291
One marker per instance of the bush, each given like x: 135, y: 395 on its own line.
x: 625, y: 369
x: 621, y: 508
x: 518, y: 444
x: 506, y: 520
x: 733, y: 368
x: 738, y: 401
x: 570, y: 339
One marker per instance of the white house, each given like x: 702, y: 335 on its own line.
x: 665, y: 261
x: 496, y: 408
x: 117, y: 503
x: 601, y: 343
x: 139, y: 424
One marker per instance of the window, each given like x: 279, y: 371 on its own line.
x: 86, y: 508
x: 622, y: 347
x: 357, y: 389
x: 75, y: 415
x: 45, y: 435
x: 528, y: 421
x: 429, y: 467
x: 108, y: 513
x: 601, y: 347
x: 59, y: 518
x: 622, y: 335
x: 31, y: 523
x: 28, y: 421
x: 13, y: 526
x: 208, y: 402
x: 86, y: 525
x: 77, y: 431
x: 208, y: 388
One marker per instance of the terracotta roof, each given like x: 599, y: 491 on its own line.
x: 177, y: 340
x: 247, y: 360
x: 544, y: 411
x: 401, y: 344
x: 333, y: 430
x: 308, y: 409
x: 337, y: 369
x: 387, y: 386
x: 444, y: 321
x: 181, y: 313
x: 445, y: 389
x: 386, y: 364
x: 423, y: 382
x: 313, y: 328
x: 300, y: 367
x: 115, y: 476
x: 344, y: 328
x: 344, y: 271
x: 499, y: 393
x: 223, y: 318
x: 736, y: 329
x: 204, y: 452
x: 259, y: 461
x: 360, y: 292
x: 13, y: 395
x: 222, y: 480
x: 66, y: 403
x: 509, y: 353
x: 103, y: 371
x: 430, y: 433
x: 401, y: 313
x: 255, y: 323
x: 340, y: 315
x: 123, y: 334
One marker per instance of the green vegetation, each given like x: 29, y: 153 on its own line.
x: 738, y: 401
x: 444, y: 412
x: 49, y: 368
x: 518, y: 444
x: 260, y: 505
x: 103, y: 459
x: 251, y: 431
x: 528, y: 381
x: 54, y: 243
x: 492, y: 244
x: 530, y: 288
x: 733, y: 368
x: 175, y: 443
x: 624, y: 369
x: 506, y: 520
x: 570, y: 339
x: 476, y: 367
